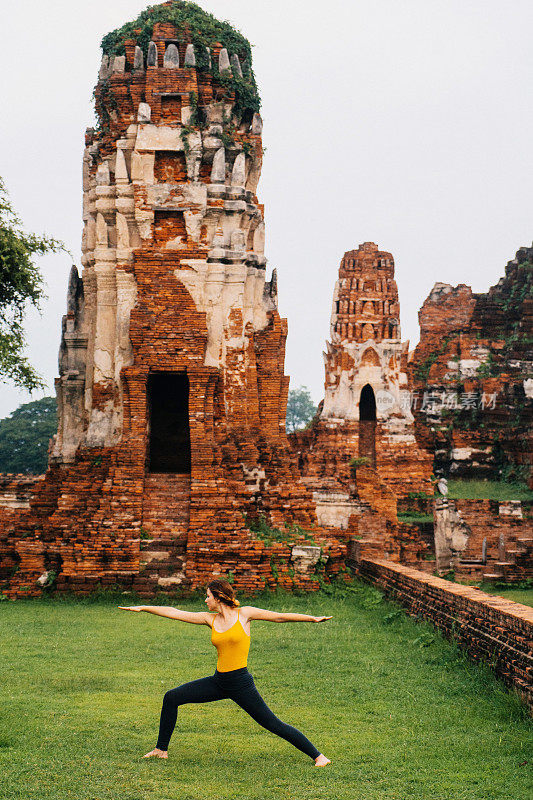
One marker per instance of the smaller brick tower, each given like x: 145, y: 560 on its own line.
x: 365, y: 360
x: 366, y: 409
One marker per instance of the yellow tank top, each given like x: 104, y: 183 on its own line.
x: 232, y: 646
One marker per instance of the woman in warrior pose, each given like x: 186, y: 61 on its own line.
x: 231, y: 637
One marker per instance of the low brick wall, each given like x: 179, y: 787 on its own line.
x: 490, y: 628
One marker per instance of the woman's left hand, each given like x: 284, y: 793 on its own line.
x: 321, y: 619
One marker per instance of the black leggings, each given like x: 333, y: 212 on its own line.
x: 239, y: 686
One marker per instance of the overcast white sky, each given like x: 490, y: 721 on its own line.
x: 404, y: 122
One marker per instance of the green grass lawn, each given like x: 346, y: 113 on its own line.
x: 412, y: 517
x: 400, y: 712
x: 517, y: 595
x: 488, y: 490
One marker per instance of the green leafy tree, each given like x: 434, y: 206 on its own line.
x: 300, y: 409
x: 24, y: 437
x: 20, y: 284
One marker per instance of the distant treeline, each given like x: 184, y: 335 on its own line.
x: 25, y: 435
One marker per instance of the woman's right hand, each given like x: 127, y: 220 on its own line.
x: 132, y: 608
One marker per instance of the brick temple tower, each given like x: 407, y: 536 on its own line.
x: 366, y: 408
x: 366, y: 360
x: 171, y: 394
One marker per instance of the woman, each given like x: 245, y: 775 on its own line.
x: 231, y: 637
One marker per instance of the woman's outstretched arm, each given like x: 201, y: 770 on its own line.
x: 196, y: 617
x: 250, y: 612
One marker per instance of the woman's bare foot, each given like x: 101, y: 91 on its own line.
x: 156, y: 753
x: 321, y: 761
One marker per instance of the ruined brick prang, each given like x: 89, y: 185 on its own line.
x: 173, y: 289
x: 473, y: 375
x: 365, y: 413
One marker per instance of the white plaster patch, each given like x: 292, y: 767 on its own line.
x: 144, y: 220
x: 126, y: 299
x: 304, y: 557
x: 384, y: 401
x: 172, y: 580
x: 513, y: 508
x: 217, y: 289
x: 334, y: 510
x: 98, y: 432
x: 401, y: 438
x: 11, y: 500
x: 155, y: 555
x: 142, y: 167
x: 123, y: 236
x: 174, y: 244
x: 461, y: 453
x: 158, y: 195
x: 403, y: 381
x: 158, y: 137
x: 469, y: 367
x: 103, y: 363
x: 255, y: 477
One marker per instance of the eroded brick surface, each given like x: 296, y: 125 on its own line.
x: 473, y: 375
x: 484, y: 539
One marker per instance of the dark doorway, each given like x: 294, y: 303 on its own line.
x: 367, y: 425
x: 367, y: 403
x: 170, y: 440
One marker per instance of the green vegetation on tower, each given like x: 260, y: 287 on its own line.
x: 204, y: 31
x: 471, y: 489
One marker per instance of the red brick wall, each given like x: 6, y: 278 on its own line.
x: 489, y: 628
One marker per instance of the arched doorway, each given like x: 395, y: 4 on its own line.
x: 367, y: 425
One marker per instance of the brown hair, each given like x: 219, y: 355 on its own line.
x: 223, y: 592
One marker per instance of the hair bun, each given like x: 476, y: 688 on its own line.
x: 223, y: 591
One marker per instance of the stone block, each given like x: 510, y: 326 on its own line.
x: 151, y: 60
x: 257, y: 124
x: 119, y: 64
x: 223, y: 62
x: 236, y: 65
x: 304, y: 558
x: 138, y: 59
x: 171, y: 58
x: 144, y: 112
x: 190, y: 57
